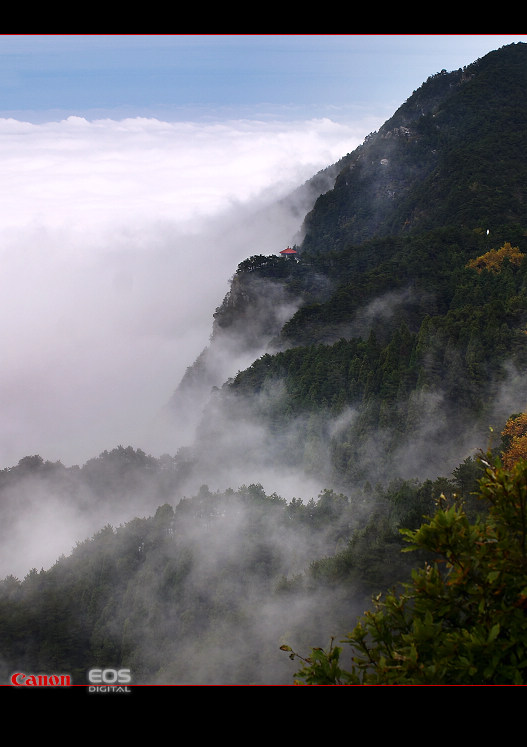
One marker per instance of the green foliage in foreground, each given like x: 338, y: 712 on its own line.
x: 461, y: 620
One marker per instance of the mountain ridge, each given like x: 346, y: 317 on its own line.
x: 406, y: 279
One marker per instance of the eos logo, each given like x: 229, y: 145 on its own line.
x: 109, y: 676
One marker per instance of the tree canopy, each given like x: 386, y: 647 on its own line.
x: 461, y: 619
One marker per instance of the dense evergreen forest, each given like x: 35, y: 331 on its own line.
x: 205, y: 592
x: 386, y: 356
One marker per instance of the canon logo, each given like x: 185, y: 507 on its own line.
x: 18, y: 679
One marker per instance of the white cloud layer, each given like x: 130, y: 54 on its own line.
x: 117, y: 242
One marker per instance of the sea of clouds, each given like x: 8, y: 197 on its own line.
x: 117, y: 243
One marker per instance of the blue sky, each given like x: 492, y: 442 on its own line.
x: 189, y: 76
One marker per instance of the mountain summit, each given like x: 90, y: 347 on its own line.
x: 454, y: 154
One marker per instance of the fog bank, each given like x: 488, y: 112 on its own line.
x: 117, y: 242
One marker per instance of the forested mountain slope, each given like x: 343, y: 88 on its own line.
x: 403, y: 350
x: 367, y: 368
x: 451, y: 155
